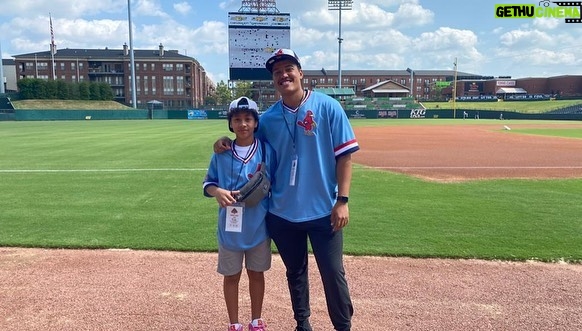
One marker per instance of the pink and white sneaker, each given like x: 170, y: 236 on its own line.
x: 260, y: 325
x: 235, y: 327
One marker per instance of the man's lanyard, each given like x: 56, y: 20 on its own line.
x: 293, y: 134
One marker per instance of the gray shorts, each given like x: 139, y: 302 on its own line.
x: 257, y: 258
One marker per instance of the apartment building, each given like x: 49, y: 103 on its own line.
x: 162, y: 77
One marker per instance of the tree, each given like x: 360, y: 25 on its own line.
x: 51, y: 89
x: 62, y: 90
x: 84, y: 93
x: 105, y: 91
x: 243, y: 89
x: 26, y: 88
x: 223, y: 94
x: 210, y: 100
x: 94, y: 91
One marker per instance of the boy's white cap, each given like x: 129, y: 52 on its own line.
x: 243, y: 103
x: 280, y: 55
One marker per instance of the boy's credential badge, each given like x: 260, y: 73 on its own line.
x: 234, y: 217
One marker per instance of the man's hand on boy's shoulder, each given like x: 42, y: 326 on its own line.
x: 222, y: 144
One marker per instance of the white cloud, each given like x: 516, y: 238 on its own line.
x: 546, y: 23
x: 150, y: 8
x: 182, y: 7
x: 413, y: 14
x: 525, y: 37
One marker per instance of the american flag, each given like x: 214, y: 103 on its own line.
x: 53, y: 46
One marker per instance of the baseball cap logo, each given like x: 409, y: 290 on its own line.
x: 280, y: 55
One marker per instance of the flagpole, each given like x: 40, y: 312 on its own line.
x: 131, y: 58
x: 52, y: 47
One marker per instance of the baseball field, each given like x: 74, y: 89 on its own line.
x: 455, y: 225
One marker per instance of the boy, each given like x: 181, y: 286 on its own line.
x: 242, y: 232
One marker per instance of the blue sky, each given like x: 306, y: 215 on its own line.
x: 378, y: 34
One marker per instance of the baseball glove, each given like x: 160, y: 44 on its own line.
x: 256, y: 189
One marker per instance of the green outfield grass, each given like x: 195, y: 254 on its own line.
x: 138, y: 184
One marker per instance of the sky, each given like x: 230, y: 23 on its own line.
x: 377, y: 34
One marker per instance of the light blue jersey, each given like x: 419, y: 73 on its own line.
x: 315, y: 135
x: 231, y: 171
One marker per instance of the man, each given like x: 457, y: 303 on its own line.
x: 313, y: 140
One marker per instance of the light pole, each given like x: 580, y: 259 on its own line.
x: 411, y: 82
x: 455, y: 91
x: 339, y: 5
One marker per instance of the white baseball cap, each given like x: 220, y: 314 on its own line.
x: 280, y: 55
x: 243, y: 103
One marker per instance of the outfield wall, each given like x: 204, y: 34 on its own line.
x: 144, y: 114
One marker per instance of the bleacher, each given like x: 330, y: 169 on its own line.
x: 576, y: 109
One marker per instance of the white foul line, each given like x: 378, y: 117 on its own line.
x: 492, y: 167
x: 95, y: 170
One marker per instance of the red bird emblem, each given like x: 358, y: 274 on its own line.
x: 308, y: 123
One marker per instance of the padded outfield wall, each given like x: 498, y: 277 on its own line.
x: 144, y: 114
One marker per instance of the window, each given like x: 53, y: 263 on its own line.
x: 73, y: 66
x: 63, y: 66
x: 153, y: 66
x: 145, y: 66
x: 154, y: 85
x: 168, y: 66
x: 145, y: 85
x: 179, y: 67
x: 180, y: 85
x: 168, y: 85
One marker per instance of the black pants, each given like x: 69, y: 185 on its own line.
x: 291, y: 241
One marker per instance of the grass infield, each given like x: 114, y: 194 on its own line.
x: 137, y: 184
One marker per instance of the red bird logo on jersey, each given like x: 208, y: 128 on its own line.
x: 308, y: 123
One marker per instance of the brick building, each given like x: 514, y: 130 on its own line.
x: 175, y: 80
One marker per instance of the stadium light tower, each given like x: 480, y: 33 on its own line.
x: 339, y: 5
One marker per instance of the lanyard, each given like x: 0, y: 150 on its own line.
x: 296, y: 111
